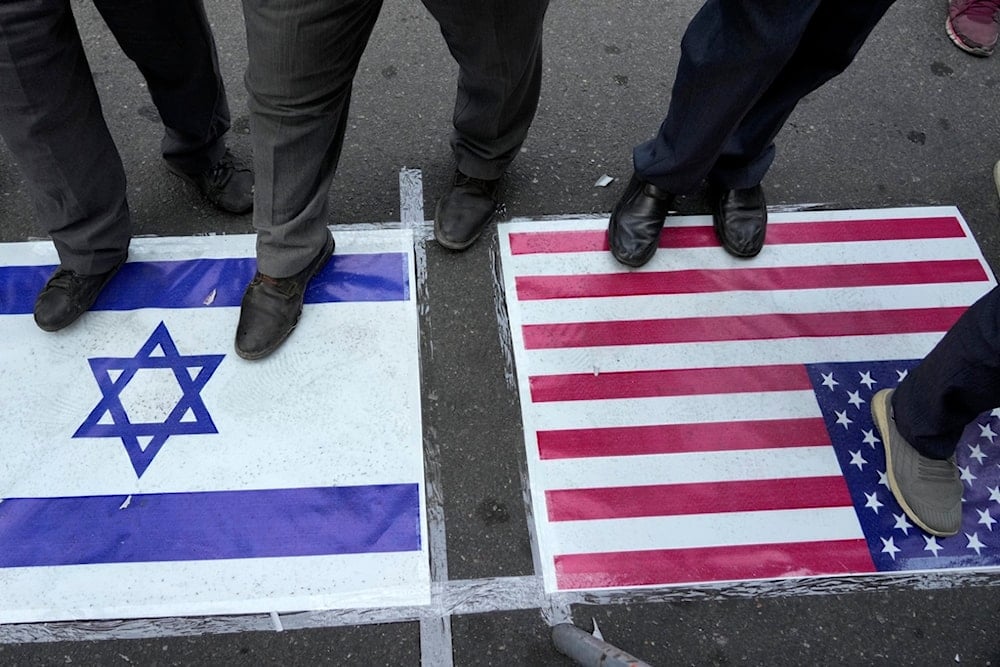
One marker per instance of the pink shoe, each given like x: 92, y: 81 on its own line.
x: 973, y: 25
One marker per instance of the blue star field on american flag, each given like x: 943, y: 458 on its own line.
x: 844, y: 392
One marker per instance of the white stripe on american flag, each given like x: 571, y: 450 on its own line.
x: 718, y: 407
x: 624, y: 471
x: 706, y: 530
x: 745, y: 303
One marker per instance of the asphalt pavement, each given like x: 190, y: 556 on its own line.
x: 913, y: 122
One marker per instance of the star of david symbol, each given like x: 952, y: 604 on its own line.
x: 188, y: 417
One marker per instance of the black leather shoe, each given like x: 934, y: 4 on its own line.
x: 68, y: 295
x: 227, y: 184
x: 464, y: 211
x: 636, y: 221
x: 740, y: 219
x: 271, y: 308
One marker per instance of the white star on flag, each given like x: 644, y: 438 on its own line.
x: 932, y: 545
x: 866, y: 379
x: 986, y: 431
x: 995, y: 493
x: 889, y: 547
x: 873, y: 502
x: 870, y: 438
x: 855, y: 398
x: 974, y: 543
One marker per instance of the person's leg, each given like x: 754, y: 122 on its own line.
x: 50, y: 118
x: 498, y: 47
x: 171, y: 43
x: 957, y: 381
x: 922, y: 420
x: 832, y: 39
x: 302, y: 59
x: 731, y: 53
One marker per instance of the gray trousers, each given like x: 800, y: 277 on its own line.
x: 303, y: 57
x: 51, y: 119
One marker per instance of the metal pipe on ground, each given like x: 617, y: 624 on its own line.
x: 589, y: 651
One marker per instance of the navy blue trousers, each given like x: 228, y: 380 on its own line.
x: 956, y: 382
x: 744, y: 65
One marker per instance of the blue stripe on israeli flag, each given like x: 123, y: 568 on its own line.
x: 219, y: 282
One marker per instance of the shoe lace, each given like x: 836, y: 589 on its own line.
x: 287, y: 287
x: 481, y: 183
x: 65, y: 279
x: 983, y: 10
x: 223, y: 170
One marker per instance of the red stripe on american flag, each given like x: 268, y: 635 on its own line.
x: 682, y: 438
x: 844, y: 231
x: 757, y: 495
x: 739, y: 327
x: 672, y: 382
x: 700, y: 281
x: 671, y: 566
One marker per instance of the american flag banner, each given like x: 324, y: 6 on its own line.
x: 147, y: 470
x: 707, y: 418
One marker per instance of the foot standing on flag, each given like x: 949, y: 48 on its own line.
x: 922, y: 420
x: 303, y: 57
x: 743, y: 68
x: 50, y: 118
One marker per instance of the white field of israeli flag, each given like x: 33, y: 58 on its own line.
x: 146, y: 470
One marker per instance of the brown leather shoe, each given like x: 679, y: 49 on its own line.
x: 464, y: 211
x: 271, y: 307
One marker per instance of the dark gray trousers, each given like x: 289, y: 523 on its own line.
x: 303, y: 57
x: 51, y: 119
x: 744, y: 66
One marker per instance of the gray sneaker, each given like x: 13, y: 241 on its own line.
x: 928, y: 490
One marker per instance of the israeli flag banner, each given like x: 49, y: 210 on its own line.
x: 146, y: 470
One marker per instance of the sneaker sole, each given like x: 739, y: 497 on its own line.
x: 981, y: 51
x: 321, y: 261
x: 880, y: 412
